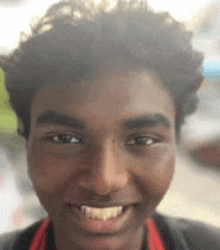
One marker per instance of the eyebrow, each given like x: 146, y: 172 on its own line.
x: 147, y: 121
x: 55, y: 118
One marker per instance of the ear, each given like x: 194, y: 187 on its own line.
x: 26, y: 143
x: 21, y: 132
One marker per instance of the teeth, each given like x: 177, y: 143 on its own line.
x: 101, y: 213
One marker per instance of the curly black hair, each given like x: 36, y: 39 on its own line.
x: 76, y: 38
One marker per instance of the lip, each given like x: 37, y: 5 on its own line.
x: 101, y: 227
x: 101, y: 204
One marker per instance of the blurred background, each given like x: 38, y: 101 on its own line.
x: 195, y: 191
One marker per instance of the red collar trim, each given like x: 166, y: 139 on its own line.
x: 39, y: 239
x: 154, y: 239
x: 38, y: 243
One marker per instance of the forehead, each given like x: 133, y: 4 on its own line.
x: 116, y: 93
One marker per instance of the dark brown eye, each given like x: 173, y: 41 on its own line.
x: 66, y: 139
x: 141, y: 141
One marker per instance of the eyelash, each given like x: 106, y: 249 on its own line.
x: 142, y: 140
x: 66, y: 139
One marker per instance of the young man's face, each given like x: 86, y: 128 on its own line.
x: 106, y: 143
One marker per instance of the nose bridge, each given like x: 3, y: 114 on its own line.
x: 108, y: 172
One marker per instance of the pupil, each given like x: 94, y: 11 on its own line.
x: 66, y: 138
x: 140, y: 141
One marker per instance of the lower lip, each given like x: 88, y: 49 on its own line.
x: 98, y: 226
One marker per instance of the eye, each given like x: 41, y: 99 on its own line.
x: 66, y: 139
x: 141, y: 141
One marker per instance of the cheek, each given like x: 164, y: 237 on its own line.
x: 154, y: 173
x: 49, y: 174
x: 153, y: 177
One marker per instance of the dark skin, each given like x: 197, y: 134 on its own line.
x: 108, y: 143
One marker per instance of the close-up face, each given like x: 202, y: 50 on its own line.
x: 101, y: 155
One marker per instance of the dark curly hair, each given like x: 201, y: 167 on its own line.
x: 76, y: 38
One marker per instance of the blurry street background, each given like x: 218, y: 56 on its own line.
x: 195, y: 191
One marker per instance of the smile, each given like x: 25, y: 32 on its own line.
x: 101, y: 214
x: 101, y: 219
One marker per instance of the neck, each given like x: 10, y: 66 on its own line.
x: 125, y: 241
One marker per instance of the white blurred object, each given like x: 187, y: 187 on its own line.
x: 10, y: 199
x: 194, y: 192
x: 204, y: 125
x: 17, y: 18
x: 200, y: 129
x: 180, y: 10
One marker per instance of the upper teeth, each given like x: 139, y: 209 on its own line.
x: 101, y: 213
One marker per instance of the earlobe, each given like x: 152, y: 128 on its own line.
x: 26, y: 143
x: 23, y: 133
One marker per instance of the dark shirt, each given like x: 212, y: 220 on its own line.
x: 177, y: 234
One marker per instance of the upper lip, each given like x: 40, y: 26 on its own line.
x: 102, y: 205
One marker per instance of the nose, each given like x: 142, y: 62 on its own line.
x: 106, y: 172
